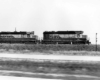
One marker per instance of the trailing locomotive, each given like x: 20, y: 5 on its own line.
x: 64, y: 37
x: 18, y: 37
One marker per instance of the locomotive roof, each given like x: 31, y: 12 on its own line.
x: 13, y: 32
x: 63, y: 32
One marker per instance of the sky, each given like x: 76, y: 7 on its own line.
x: 51, y: 15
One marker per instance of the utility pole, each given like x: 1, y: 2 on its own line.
x: 15, y: 29
x: 96, y: 41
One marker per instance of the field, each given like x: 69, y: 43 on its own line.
x: 51, y: 49
x: 46, y: 47
x: 48, y: 69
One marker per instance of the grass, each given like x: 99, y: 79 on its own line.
x: 50, y: 49
x: 47, y: 66
x: 51, y: 67
x: 46, y: 47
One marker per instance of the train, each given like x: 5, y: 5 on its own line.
x: 49, y: 37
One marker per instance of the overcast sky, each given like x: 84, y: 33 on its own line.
x: 47, y: 15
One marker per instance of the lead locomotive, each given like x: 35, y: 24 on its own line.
x: 65, y: 37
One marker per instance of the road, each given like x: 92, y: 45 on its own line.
x: 50, y: 57
x: 22, y: 78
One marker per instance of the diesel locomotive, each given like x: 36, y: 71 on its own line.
x: 18, y: 37
x: 64, y: 37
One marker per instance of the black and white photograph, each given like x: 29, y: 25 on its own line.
x: 49, y: 40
